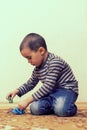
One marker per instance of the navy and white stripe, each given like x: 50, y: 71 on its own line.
x: 53, y: 74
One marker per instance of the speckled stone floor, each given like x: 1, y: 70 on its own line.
x: 27, y: 121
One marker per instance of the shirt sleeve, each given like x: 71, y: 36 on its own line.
x: 29, y: 85
x: 54, y: 70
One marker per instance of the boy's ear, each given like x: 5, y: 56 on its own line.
x: 42, y: 51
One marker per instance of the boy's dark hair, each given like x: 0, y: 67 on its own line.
x: 33, y: 41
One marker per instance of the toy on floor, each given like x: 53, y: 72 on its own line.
x: 10, y: 100
x: 16, y: 111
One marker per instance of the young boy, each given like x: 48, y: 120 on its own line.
x: 59, y: 89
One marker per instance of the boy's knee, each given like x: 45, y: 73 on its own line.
x: 58, y: 109
x: 34, y: 108
x: 64, y: 110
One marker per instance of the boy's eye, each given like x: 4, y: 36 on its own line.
x: 29, y: 57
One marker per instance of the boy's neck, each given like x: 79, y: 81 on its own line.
x: 44, y: 59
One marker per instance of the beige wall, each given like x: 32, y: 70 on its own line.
x: 63, y: 23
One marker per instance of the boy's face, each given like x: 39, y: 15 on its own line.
x: 35, y: 58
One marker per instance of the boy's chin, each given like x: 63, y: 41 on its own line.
x: 37, y: 65
x: 34, y: 65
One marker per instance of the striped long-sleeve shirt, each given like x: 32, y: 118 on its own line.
x: 55, y: 73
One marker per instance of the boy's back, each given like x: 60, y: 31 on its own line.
x: 54, y: 73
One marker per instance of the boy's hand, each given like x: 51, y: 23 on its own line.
x: 12, y: 94
x: 24, y: 104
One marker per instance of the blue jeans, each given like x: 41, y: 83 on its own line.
x: 61, y: 102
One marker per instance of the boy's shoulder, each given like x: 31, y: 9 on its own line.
x: 54, y: 57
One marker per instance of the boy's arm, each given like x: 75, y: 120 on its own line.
x: 24, y: 104
x: 54, y: 70
x: 29, y: 85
